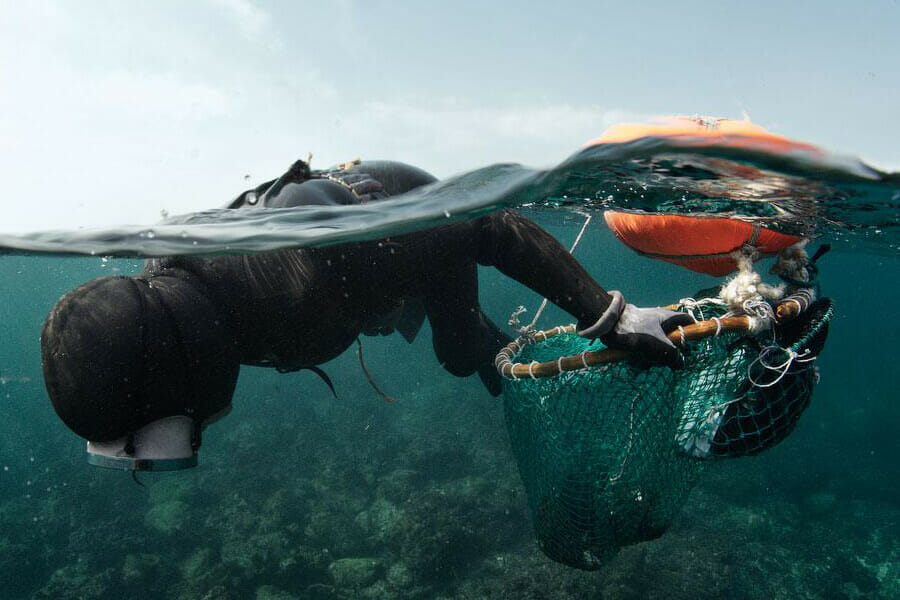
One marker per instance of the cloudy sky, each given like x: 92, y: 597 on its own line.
x: 111, y: 111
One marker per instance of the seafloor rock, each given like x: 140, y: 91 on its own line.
x: 76, y: 582
x: 139, y: 568
x: 398, y: 484
x: 439, y: 537
x: 355, y: 573
x: 380, y: 521
x: 204, y: 575
x: 336, y: 531
x: 529, y: 575
x: 169, y: 517
x: 270, y: 592
x: 267, y: 553
x: 197, y: 564
x: 217, y: 592
x: 399, y: 576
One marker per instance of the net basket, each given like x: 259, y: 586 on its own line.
x: 608, y: 453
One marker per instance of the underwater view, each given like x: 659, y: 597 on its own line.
x: 376, y: 473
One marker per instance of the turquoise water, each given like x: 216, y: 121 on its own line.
x: 302, y: 495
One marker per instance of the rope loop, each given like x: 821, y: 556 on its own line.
x: 782, y: 369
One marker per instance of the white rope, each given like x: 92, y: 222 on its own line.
x: 691, y: 306
x: 514, y: 318
x: 781, y: 369
x: 630, y: 440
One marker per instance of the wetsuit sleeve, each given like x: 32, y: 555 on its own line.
x: 522, y: 250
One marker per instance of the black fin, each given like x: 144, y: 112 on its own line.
x: 136, y: 480
x: 491, y: 379
x: 324, y: 376
x: 411, y: 319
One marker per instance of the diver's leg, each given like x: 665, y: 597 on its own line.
x: 464, y: 339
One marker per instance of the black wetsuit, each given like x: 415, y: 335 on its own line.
x: 299, y: 308
x: 191, y: 320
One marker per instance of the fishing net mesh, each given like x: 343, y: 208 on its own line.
x: 608, y: 454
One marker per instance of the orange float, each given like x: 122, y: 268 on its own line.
x: 707, y: 131
x: 701, y: 244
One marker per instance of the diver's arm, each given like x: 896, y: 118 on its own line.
x: 522, y: 250
x: 530, y: 255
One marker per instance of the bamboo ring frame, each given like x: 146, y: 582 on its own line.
x: 785, y: 310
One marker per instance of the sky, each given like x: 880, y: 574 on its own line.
x: 112, y: 112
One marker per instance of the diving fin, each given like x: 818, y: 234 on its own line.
x: 324, y: 376
x: 410, y: 321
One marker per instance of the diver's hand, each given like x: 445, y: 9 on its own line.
x: 642, y: 330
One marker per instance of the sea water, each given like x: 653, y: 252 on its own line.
x: 303, y: 495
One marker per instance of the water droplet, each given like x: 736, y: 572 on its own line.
x: 447, y: 213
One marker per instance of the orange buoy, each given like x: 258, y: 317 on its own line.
x: 701, y: 244
x: 705, y: 130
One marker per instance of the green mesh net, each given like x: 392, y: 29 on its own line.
x: 608, y: 454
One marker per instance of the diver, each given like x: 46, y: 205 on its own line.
x: 140, y: 365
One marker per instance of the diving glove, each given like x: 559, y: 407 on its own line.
x: 642, y: 330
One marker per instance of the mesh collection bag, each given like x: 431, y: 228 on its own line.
x: 608, y: 453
